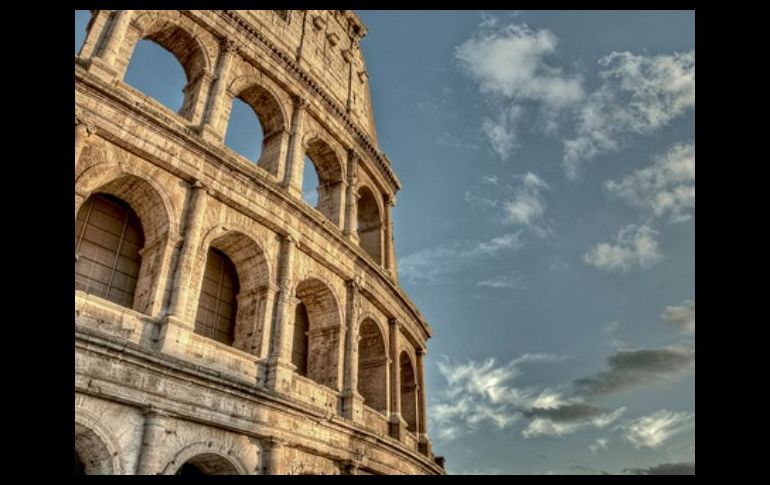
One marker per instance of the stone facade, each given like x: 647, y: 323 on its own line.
x: 322, y: 369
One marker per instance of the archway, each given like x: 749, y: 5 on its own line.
x: 372, y: 366
x: 92, y: 454
x: 323, y: 334
x: 369, y: 224
x: 207, y: 464
x: 408, y: 392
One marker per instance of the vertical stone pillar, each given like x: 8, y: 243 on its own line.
x: 390, y: 263
x: 352, y: 400
x: 292, y: 177
x: 351, y: 199
x: 265, y: 319
x: 82, y: 131
x: 397, y: 423
x: 213, y: 126
x: 151, y: 460
x: 424, y: 444
x: 192, y: 236
x: 99, y: 21
x: 103, y: 66
x: 274, y: 461
x: 281, y: 370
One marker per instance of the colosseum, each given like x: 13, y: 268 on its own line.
x: 222, y: 324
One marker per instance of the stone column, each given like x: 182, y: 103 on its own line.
x: 103, y: 66
x: 192, y: 235
x: 352, y: 400
x: 292, y: 176
x: 397, y: 423
x: 99, y: 21
x: 273, y: 456
x: 265, y: 319
x: 351, y: 199
x: 213, y: 126
x: 82, y: 131
x: 424, y: 444
x: 281, y: 370
x: 390, y: 263
x: 151, y: 460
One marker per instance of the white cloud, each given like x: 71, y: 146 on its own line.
x: 634, y: 246
x: 599, y: 444
x: 433, y: 265
x: 638, y: 95
x: 665, y: 187
x: 520, y: 202
x: 681, y: 316
x: 653, y: 430
x: 510, y: 282
x: 507, y: 62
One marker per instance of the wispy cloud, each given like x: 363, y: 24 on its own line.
x: 664, y: 469
x: 638, y: 95
x: 521, y: 201
x: 653, y: 430
x: 508, y: 281
x: 681, y: 316
x: 665, y: 187
x: 633, y: 367
x: 598, y: 445
x: 633, y: 246
x: 433, y: 265
x: 483, y: 394
x: 507, y: 61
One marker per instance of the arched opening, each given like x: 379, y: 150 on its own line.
x: 328, y: 171
x: 244, y: 131
x: 207, y: 464
x: 323, y: 334
x: 309, y: 183
x: 156, y: 72
x: 408, y: 392
x: 108, y: 237
x: 82, y: 20
x: 300, y: 340
x: 150, y: 40
x: 369, y: 224
x: 92, y: 456
x: 265, y: 144
x: 217, y: 304
x: 156, y: 214
x: 233, y: 278
x: 372, y: 366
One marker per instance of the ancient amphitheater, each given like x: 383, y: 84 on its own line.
x: 222, y: 324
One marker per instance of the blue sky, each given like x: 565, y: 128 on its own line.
x: 545, y: 228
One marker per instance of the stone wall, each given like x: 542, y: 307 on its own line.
x: 152, y: 395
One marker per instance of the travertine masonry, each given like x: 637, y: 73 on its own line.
x: 224, y: 326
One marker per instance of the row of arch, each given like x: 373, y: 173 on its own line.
x: 273, y: 123
x: 97, y: 454
x: 110, y: 244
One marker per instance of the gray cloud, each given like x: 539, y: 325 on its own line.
x: 664, y: 469
x: 630, y: 368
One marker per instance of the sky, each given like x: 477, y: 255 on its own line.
x: 545, y: 227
